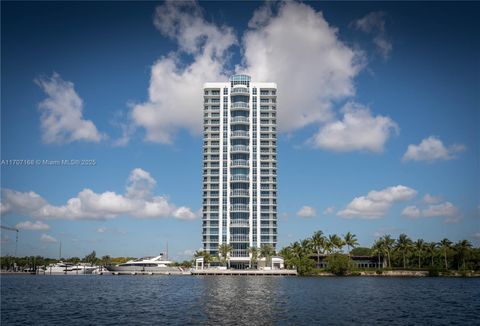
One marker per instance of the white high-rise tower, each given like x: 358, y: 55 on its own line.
x: 239, y: 166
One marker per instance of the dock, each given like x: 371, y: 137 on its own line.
x: 249, y: 272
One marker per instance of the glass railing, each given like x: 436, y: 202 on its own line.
x: 239, y: 120
x: 239, y: 238
x: 239, y: 163
x: 239, y: 223
x: 240, y: 177
x: 239, y: 90
x: 239, y: 193
x: 239, y: 105
x: 239, y: 148
x: 239, y: 134
x: 239, y: 208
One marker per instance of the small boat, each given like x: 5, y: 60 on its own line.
x: 145, y: 265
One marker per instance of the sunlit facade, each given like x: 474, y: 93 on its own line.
x: 239, y: 166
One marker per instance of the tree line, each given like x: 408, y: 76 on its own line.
x: 402, y: 252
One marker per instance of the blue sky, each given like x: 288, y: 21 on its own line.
x: 378, y: 113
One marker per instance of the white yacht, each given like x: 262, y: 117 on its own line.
x: 63, y: 268
x: 146, y: 265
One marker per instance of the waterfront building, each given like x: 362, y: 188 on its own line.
x: 239, y: 167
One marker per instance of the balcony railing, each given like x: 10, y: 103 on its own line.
x: 239, y: 193
x: 240, y: 120
x: 239, y: 148
x: 239, y: 133
x: 239, y: 223
x: 239, y: 238
x: 239, y: 91
x: 239, y: 177
x: 239, y: 208
x: 239, y: 106
x: 236, y: 163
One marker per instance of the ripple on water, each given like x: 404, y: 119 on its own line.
x: 188, y: 300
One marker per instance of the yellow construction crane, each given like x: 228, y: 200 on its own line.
x: 16, y: 238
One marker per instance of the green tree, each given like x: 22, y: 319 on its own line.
x: 445, y: 244
x: 350, y: 240
x: 91, y: 258
x: 339, y: 264
x: 462, y: 248
x: 336, y: 242
x: 431, y: 249
x: 223, y: 251
x: 419, y: 248
x: 267, y: 251
x: 106, y: 260
x: 318, y: 244
x: 253, y: 256
x: 387, y: 244
x: 362, y: 251
x: 207, y: 258
x: 403, y: 245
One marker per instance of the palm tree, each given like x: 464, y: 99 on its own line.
x: 350, y: 240
x: 336, y: 242
x: 223, y: 251
x: 462, y: 247
x: 267, y: 251
x: 207, y: 258
x: 445, y: 244
x: 420, y: 247
x: 253, y: 255
x: 403, y: 245
x: 379, y: 249
x: 388, y: 243
x: 287, y: 254
x: 431, y: 249
x: 106, y: 260
x: 318, y: 244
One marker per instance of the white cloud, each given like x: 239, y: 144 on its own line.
x: 47, y: 238
x: 4, y: 239
x: 329, y: 210
x: 184, y: 213
x: 377, y: 203
x: 431, y: 149
x: 138, y: 201
x: 430, y: 199
x: 285, y: 42
x: 446, y: 209
x: 104, y: 229
x: 175, y: 90
x: 374, y: 24
x: 34, y: 226
x: 291, y: 42
x: 61, y: 113
x: 358, y: 130
x: 307, y: 211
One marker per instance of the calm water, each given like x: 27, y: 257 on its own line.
x: 188, y: 300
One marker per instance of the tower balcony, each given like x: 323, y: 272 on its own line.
x: 240, y: 120
x: 239, y: 193
x: 239, y: 149
x: 239, y: 163
x: 239, y: 106
x: 239, y: 90
x: 239, y: 208
x: 239, y: 178
x: 239, y: 134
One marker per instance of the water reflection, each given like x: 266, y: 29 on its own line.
x: 240, y: 300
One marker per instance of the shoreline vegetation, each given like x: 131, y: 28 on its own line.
x: 322, y: 255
